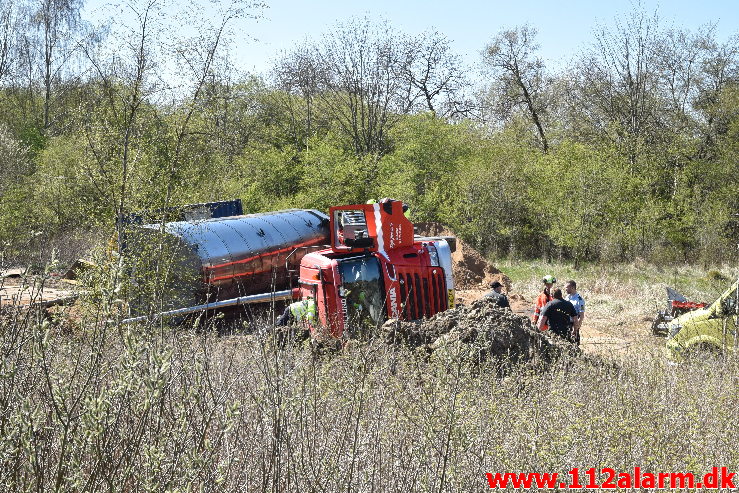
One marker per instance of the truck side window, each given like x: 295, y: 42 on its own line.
x: 361, y: 286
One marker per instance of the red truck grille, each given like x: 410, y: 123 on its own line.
x: 422, y: 297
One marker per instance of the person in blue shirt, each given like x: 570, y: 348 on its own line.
x: 579, y: 304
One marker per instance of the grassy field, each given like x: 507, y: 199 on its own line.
x: 621, y: 300
x: 624, y: 280
x: 152, y: 408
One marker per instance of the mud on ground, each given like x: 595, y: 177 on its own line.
x: 23, y: 290
x: 614, y: 334
x: 483, y: 329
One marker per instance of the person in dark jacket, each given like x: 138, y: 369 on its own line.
x: 558, y: 314
x: 500, y: 299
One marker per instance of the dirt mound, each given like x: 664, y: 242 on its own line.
x: 471, y: 270
x: 483, y: 329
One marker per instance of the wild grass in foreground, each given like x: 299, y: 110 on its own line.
x: 148, y: 408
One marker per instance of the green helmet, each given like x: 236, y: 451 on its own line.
x: 549, y: 279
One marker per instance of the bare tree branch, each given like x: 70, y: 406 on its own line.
x: 521, y: 80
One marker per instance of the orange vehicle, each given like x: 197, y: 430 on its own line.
x: 375, y: 269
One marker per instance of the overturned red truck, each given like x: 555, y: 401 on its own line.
x: 362, y: 264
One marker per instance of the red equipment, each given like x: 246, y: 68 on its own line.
x: 687, y: 305
x: 677, y: 304
x: 376, y: 269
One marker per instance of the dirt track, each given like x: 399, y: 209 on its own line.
x: 604, y: 333
x: 24, y: 291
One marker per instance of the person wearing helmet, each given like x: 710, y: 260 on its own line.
x: 558, y: 314
x: 544, y: 298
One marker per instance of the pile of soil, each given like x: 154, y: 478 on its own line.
x: 483, y: 329
x: 471, y: 270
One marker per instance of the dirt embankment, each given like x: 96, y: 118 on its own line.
x: 483, y: 329
x: 471, y: 270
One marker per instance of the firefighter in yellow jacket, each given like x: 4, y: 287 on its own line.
x: 298, y: 312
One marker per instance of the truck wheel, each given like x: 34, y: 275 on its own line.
x: 703, y: 353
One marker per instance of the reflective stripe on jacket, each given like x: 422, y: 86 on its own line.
x: 541, y: 302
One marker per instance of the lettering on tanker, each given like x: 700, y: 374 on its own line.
x: 396, y: 232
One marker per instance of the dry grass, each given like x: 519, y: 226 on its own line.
x: 622, y: 300
x: 150, y: 408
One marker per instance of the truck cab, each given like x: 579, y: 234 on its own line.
x: 713, y: 328
x: 376, y: 269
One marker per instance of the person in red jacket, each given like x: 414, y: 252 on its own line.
x: 544, y: 298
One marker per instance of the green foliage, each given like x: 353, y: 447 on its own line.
x: 487, y: 203
x: 576, y: 192
x: 64, y: 193
x: 32, y: 137
x: 601, y: 192
x: 333, y: 176
x: 424, y: 159
x: 267, y: 180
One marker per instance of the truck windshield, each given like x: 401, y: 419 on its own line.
x: 362, y: 290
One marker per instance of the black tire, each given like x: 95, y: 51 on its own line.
x: 703, y: 353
